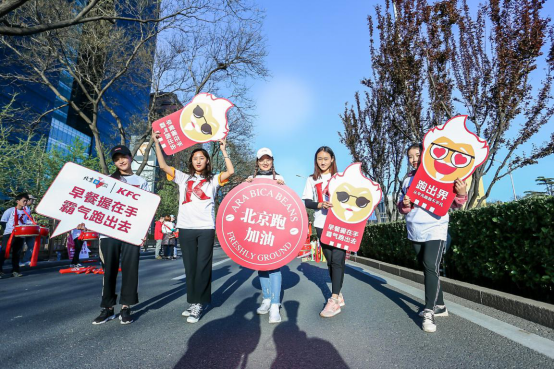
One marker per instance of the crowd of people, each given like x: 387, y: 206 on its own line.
x: 193, y: 232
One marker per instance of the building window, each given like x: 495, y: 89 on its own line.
x: 63, y: 137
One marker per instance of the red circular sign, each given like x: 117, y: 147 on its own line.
x: 262, y: 225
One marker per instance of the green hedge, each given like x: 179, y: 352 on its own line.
x: 509, y: 247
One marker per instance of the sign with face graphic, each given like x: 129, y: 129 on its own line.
x: 262, y: 225
x: 354, y: 197
x: 202, y: 120
x: 450, y: 151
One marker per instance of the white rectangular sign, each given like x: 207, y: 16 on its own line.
x: 104, y: 204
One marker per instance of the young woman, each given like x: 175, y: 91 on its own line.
x: 11, y: 218
x: 113, y: 252
x: 198, y: 187
x: 316, y: 196
x: 168, y: 242
x: 428, y: 233
x: 269, y: 280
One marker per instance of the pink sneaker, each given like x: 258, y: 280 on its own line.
x: 331, y: 308
x: 341, y: 300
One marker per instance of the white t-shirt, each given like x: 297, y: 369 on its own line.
x: 310, y: 192
x: 421, y: 224
x: 136, y: 181
x: 198, y: 213
x: 8, y: 218
x: 167, y: 227
x: 75, y: 233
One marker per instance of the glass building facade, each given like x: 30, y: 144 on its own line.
x: 63, y: 126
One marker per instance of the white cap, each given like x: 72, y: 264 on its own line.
x: 264, y: 151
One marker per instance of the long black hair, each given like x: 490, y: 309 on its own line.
x: 317, y: 171
x: 206, y: 172
x: 415, y: 146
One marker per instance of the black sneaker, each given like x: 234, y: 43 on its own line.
x: 195, y: 313
x: 440, y: 311
x: 125, y: 316
x: 187, y: 312
x: 106, y: 315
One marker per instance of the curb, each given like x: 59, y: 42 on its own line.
x: 535, y: 311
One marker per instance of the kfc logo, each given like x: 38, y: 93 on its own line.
x: 205, y: 118
x: 451, y: 151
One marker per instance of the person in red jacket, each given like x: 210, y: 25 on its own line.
x: 158, y: 236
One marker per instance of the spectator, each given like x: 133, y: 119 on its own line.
x: 158, y: 236
x: 30, y: 240
x: 167, y: 242
x: 175, y: 239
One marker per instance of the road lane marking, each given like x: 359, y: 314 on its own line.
x: 529, y: 340
x: 213, y: 265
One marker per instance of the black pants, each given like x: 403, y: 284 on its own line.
x: 336, y: 259
x: 168, y: 250
x: 78, y: 247
x: 17, y: 244
x: 112, y: 252
x: 197, y: 248
x: 429, y: 255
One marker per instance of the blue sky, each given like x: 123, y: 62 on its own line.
x: 318, y: 53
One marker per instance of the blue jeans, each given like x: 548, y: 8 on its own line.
x: 271, y: 284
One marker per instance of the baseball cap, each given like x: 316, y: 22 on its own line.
x: 264, y: 151
x: 120, y: 149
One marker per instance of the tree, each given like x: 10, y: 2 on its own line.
x: 435, y: 61
x: 547, y: 182
x: 493, y: 57
x: 15, y: 20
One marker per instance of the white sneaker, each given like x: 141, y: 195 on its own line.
x: 187, y: 312
x: 264, y: 307
x: 195, y: 313
x: 428, y: 324
x: 439, y: 311
x: 274, y: 315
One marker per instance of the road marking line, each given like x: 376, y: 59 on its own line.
x: 529, y: 340
x: 213, y: 265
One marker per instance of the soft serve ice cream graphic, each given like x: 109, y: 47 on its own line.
x: 353, y: 195
x: 205, y: 118
x: 451, y: 151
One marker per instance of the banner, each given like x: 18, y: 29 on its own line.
x: 450, y: 151
x: 354, y: 197
x: 105, y: 205
x: 262, y: 225
x: 202, y: 120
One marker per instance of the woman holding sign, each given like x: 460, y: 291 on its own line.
x: 269, y: 280
x: 428, y: 233
x: 316, y: 196
x: 198, y: 187
x: 114, y: 251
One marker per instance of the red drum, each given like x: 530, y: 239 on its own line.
x: 26, y: 230
x: 44, y: 231
x: 89, y: 235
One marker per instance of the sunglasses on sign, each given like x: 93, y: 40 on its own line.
x: 343, y: 197
x: 199, y: 113
x: 458, y: 159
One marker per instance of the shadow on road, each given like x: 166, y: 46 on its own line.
x: 319, y: 276
x: 179, y: 290
x: 296, y: 350
x: 230, y: 286
x: 377, y: 283
x: 290, y: 279
x: 226, y: 342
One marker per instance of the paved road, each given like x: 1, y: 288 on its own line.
x: 45, y: 321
